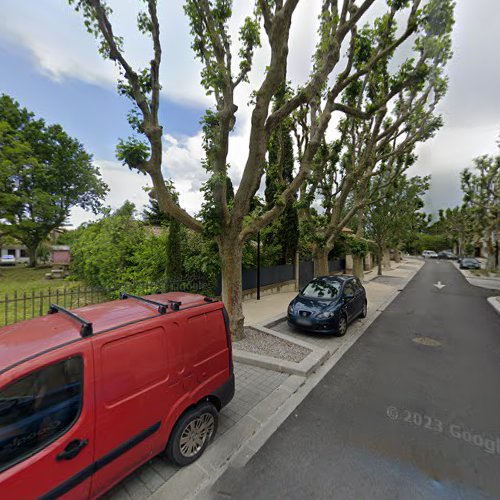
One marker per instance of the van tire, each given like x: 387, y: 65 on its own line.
x: 192, y: 433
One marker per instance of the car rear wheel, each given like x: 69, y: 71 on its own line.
x: 342, y: 329
x: 364, y: 311
x: 192, y: 433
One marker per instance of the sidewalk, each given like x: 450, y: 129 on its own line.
x: 263, y: 399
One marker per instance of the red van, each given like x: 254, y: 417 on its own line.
x: 86, y: 396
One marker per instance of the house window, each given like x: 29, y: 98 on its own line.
x: 11, y: 251
x: 23, y: 254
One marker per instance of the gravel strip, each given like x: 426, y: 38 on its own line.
x: 262, y: 343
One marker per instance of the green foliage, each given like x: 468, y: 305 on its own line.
x: 424, y: 241
x: 481, y: 188
x: 104, y: 251
x: 43, y: 174
x: 132, y: 152
x: 358, y: 246
x: 394, y: 218
x: 280, y: 239
x: 174, y: 252
x: 200, y: 255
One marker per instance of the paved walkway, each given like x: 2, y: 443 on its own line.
x: 252, y: 386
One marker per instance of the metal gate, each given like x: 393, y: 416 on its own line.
x: 306, y: 272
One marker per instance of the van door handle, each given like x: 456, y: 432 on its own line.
x: 72, y: 449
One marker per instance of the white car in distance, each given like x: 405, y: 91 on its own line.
x: 7, y: 260
x: 429, y: 254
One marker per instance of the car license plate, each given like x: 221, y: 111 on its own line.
x: 304, y: 321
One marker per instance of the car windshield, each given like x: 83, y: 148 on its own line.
x: 322, y: 289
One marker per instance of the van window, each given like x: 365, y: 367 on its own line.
x: 38, y: 408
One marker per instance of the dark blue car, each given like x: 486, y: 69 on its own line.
x: 327, y: 304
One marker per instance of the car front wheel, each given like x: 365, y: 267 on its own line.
x: 342, y: 329
x: 364, y: 311
x: 192, y: 433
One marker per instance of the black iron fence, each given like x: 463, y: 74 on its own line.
x: 19, y: 306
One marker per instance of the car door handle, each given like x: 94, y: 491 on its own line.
x: 72, y: 449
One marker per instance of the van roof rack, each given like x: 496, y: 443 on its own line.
x: 162, y: 308
x: 86, y: 329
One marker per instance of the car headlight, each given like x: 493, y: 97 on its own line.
x: 290, y: 309
x: 325, y: 315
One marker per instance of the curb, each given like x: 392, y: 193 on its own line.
x: 495, y: 303
x: 309, y: 364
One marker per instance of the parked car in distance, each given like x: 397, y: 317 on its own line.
x: 89, y: 395
x: 470, y: 263
x: 7, y: 260
x: 447, y: 254
x: 429, y: 254
x: 327, y: 304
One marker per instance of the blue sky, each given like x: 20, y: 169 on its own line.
x: 51, y: 66
x: 96, y: 115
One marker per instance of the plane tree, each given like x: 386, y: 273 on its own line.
x: 231, y: 223
x: 391, y: 219
x: 402, y: 105
x: 481, y: 187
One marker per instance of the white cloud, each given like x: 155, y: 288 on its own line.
x: 124, y: 185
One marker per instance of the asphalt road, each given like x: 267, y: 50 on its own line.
x: 396, y: 418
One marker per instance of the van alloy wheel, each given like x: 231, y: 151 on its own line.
x: 191, y: 434
x: 196, y: 434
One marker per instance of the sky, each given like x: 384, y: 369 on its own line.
x: 49, y: 63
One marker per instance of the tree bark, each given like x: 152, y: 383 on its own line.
x: 357, y: 266
x: 386, y: 258
x: 31, y: 251
x: 397, y: 256
x: 321, y: 262
x: 232, y: 291
x: 490, y: 261
x: 379, y: 261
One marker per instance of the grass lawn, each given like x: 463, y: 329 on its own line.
x: 25, y: 279
x: 25, y: 293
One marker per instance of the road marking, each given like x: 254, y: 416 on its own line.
x: 428, y: 341
x: 439, y: 285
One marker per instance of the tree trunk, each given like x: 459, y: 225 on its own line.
x: 490, y: 262
x: 397, y: 256
x: 232, y: 289
x: 379, y: 261
x: 321, y: 262
x: 386, y: 258
x: 358, y: 267
x: 32, y: 255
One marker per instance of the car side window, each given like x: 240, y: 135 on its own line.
x: 349, y: 290
x: 38, y: 408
